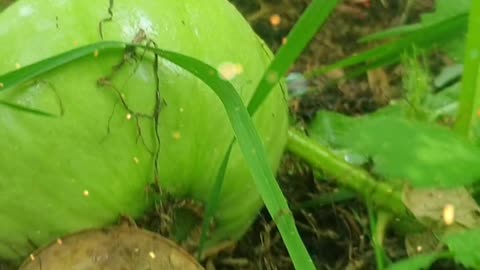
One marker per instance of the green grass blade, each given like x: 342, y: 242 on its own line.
x: 391, y: 33
x: 303, y: 31
x: 214, y: 199
x: 426, y: 37
x: 25, y: 74
x: 245, y: 132
x: 25, y: 109
x: 470, y: 94
x: 253, y: 151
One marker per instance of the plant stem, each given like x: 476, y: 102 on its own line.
x: 319, y: 157
x: 469, y: 103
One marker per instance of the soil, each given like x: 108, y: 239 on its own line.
x: 336, y: 234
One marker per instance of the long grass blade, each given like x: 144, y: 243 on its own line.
x: 22, y: 108
x: 253, y: 152
x: 469, y: 104
x: 27, y: 73
x: 213, y: 199
x: 244, y: 129
x: 424, y: 38
x: 303, y: 31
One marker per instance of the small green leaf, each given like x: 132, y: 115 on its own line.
x: 419, y: 262
x: 421, y: 154
x: 465, y: 246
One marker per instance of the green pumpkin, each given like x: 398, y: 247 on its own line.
x: 94, y: 162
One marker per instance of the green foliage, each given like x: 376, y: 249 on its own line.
x: 421, y: 154
x: 419, y: 262
x: 468, y: 123
x: 444, y: 28
x: 464, y: 246
x: 417, y: 86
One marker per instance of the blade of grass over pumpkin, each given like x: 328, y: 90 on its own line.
x: 469, y: 104
x: 25, y: 74
x: 303, y: 31
x: 426, y: 37
x: 213, y: 200
x: 253, y: 151
x: 245, y: 132
x: 26, y: 109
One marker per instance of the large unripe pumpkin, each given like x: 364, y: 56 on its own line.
x: 59, y: 175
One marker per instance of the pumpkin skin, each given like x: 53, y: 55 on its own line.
x: 64, y: 174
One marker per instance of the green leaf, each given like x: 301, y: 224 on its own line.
x: 445, y: 9
x: 418, y: 262
x: 421, y: 154
x: 465, y: 246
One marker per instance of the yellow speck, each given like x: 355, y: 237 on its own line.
x: 18, y: 66
x: 275, y: 20
x: 152, y: 255
x: 284, y: 41
x: 136, y: 160
x: 32, y: 257
x: 1, y: 85
x: 449, y: 214
x: 95, y: 53
x: 419, y: 248
x: 129, y: 116
x: 86, y: 193
x: 59, y: 241
x: 176, y: 135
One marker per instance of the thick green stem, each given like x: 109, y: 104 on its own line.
x: 319, y: 157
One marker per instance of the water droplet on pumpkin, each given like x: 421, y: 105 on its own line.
x: 152, y: 255
x: 86, y: 193
x: 128, y: 116
x: 229, y: 70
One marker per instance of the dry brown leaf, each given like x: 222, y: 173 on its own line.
x: 428, y: 206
